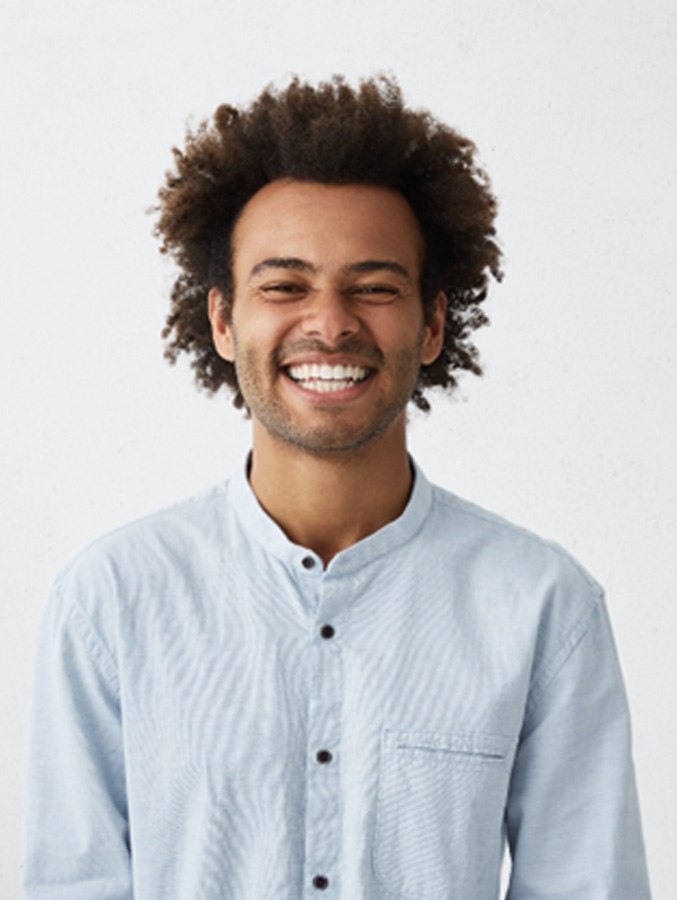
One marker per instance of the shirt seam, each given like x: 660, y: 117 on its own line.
x: 95, y: 647
x: 565, y: 652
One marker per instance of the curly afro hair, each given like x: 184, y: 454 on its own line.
x: 332, y: 134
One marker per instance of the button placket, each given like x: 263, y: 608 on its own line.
x: 323, y: 826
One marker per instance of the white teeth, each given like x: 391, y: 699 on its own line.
x: 326, y: 387
x: 324, y: 378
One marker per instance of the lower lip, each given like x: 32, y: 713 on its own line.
x: 331, y: 398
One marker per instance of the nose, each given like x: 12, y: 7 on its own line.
x: 330, y: 316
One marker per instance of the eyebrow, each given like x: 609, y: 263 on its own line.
x: 377, y: 265
x: 301, y: 265
x: 283, y: 262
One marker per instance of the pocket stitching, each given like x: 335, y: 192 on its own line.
x: 481, y: 743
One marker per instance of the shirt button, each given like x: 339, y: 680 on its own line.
x: 324, y: 756
x: 308, y: 562
x: 320, y: 882
x: 327, y: 632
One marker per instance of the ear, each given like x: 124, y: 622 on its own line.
x: 222, y: 333
x: 433, y: 335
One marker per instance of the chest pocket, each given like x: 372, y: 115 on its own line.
x: 439, y: 816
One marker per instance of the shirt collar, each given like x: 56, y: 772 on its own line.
x: 266, y: 532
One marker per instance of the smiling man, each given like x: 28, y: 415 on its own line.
x: 328, y: 677
x: 327, y: 336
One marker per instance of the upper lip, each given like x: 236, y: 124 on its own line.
x: 323, y: 359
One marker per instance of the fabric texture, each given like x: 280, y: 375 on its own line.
x: 219, y: 717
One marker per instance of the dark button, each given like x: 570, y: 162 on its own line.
x: 324, y: 756
x: 327, y: 632
x: 308, y: 562
x: 320, y: 882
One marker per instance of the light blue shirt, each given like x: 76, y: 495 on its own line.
x: 218, y: 717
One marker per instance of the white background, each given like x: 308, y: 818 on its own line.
x: 572, y: 430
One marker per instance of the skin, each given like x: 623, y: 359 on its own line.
x: 327, y: 274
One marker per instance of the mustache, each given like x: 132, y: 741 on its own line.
x: 352, y: 346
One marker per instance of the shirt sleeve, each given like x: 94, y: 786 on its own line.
x: 77, y: 836
x: 572, y: 821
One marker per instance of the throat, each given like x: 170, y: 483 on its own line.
x: 328, y: 506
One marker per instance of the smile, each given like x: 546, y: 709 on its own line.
x: 327, y: 379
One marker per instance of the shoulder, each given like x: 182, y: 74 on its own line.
x: 520, y: 571
x: 473, y: 525
x: 146, y: 551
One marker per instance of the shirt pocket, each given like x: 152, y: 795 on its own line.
x: 439, y: 814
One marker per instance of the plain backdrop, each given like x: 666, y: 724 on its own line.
x: 572, y: 430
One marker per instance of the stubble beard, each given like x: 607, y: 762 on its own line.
x: 334, y: 437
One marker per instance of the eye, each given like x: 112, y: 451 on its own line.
x: 282, y: 290
x: 376, y: 293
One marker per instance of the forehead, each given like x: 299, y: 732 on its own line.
x: 327, y: 225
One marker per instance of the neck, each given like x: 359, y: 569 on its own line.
x: 328, y: 503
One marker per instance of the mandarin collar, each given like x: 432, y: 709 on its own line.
x: 262, y: 529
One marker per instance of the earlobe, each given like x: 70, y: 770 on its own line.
x: 222, y: 334
x: 434, y: 331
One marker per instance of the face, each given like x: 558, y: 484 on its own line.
x: 326, y: 330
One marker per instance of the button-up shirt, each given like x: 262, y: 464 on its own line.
x: 218, y: 716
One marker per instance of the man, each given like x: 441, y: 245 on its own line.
x: 328, y: 677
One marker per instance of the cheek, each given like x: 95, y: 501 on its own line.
x: 255, y: 360
x: 407, y: 334
x: 264, y: 331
